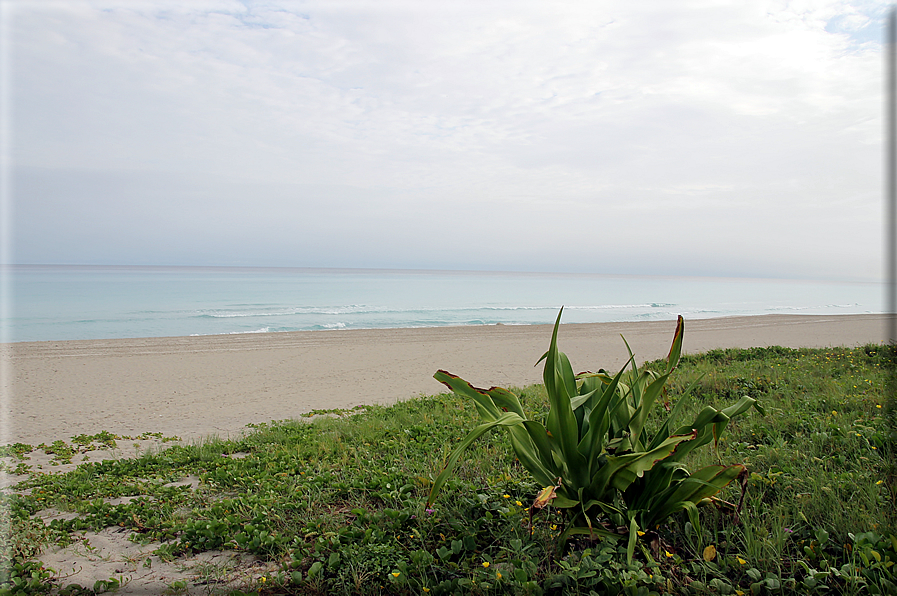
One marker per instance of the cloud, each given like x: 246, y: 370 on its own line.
x: 726, y: 138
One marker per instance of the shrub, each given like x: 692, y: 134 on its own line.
x: 594, y: 455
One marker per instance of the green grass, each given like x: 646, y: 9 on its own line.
x: 339, y: 503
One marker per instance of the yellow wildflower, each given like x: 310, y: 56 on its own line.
x: 396, y: 574
x: 519, y: 504
x: 740, y: 560
x: 498, y: 575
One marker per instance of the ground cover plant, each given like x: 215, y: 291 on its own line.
x: 339, y: 505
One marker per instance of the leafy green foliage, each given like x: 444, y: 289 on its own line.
x: 595, y: 449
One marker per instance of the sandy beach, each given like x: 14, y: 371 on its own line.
x: 194, y: 387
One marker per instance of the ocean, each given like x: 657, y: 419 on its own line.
x: 99, y: 302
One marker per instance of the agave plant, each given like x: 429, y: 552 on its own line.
x: 594, y: 454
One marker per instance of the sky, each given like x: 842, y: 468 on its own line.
x: 708, y: 137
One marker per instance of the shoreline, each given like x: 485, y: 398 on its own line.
x: 198, y: 386
x: 671, y: 320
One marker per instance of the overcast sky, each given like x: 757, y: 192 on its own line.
x: 737, y: 138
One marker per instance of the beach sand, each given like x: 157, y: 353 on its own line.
x: 194, y: 387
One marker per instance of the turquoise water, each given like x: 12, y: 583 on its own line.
x: 77, y: 302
